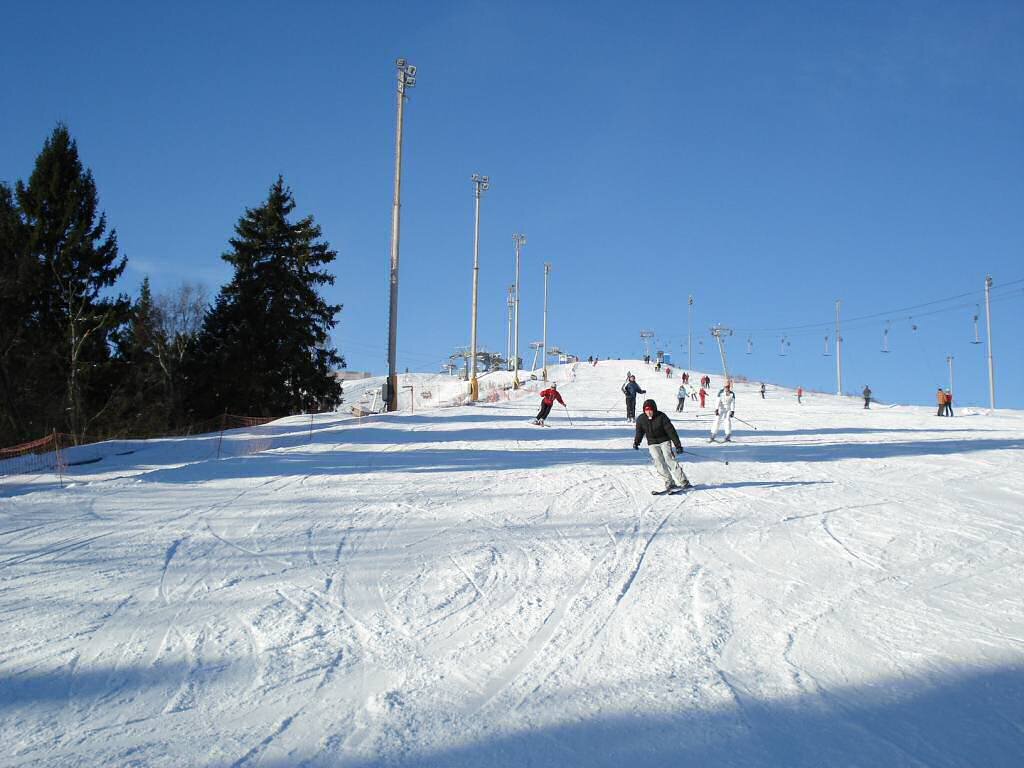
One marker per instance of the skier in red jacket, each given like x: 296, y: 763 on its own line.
x: 548, y: 397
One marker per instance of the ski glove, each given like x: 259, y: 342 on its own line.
x: 731, y: 414
x: 716, y: 411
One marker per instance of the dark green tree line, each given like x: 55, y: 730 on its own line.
x: 78, y: 356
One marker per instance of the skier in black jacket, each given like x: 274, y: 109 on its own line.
x: 631, y: 389
x: 662, y: 438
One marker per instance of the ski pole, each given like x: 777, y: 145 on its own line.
x: 567, y: 415
x: 705, y: 456
x: 741, y: 421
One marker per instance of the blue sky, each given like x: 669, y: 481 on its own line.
x: 768, y: 158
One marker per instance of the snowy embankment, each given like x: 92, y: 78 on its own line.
x: 459, y: 587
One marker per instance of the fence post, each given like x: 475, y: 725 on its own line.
x: 60, y: 461
x: 223, y: 422
x: 311, y: 428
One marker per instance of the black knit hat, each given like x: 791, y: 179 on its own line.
x: 651, y: 404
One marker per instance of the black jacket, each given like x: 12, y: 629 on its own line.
x: 657, y: 430
x: 632, y: 389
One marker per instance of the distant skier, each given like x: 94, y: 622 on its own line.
x: 867, y: 396
x: 703, y: 394
x: 762, y: 390
x: 668, y: 371
x: 940, y: 398
x: 681, y: 396
x: 631, y: 389
x: 799, y: 395
x: 725, y: 409
x: 662, y: 438
x: 548, y: 397
x: 949, y: 403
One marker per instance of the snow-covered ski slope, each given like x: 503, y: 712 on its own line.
x: 461, y: 588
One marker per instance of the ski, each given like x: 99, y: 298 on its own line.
x: 673, y: 491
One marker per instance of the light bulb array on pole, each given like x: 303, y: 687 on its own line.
x: 547, y: 274
x: 520, y: 241
x: 480, y: 185
x: 406, y: 79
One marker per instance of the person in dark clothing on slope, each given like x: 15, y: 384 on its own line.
x: 548, y: 397
x: 867, y: 396
x: 631, y: 389
x: 663, y: 445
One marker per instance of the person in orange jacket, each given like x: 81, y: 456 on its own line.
x: 940, y: 398
x: 548, y: 397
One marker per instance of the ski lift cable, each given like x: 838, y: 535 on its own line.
x: 891, y: 312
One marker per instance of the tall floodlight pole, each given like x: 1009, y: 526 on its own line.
x: 508, y: 338
x: 689, y: 333
x: 520, y: 241
x: 406, y: 79
x: 988, y: 328
x: 839, y: 355
x: 949, y: 362
x: 480, y: 185
x: 544, y: 359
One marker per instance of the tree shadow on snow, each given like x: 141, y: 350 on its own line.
x: 963, y: 718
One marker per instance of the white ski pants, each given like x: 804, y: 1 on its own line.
x: 723, y: 416
x: 666, y: 465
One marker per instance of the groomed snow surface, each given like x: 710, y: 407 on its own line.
x: 458, y: 587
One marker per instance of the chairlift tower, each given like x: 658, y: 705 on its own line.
x: 719, y: 332
x: 646, y: 336
x: 536, y: 346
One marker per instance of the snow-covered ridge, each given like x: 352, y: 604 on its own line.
x: 455, y: 586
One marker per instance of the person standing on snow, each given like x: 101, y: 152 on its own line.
x: 799, y: 395
x: 548, y: 397
x: 703, y: 394
x: 663, y: 445
x: 940, y: 398
x: 949, y: 403
x: 762, y: 390
x: 724, y: 410
x: 867, y: 396
x: 631, y: 389
x: 681, y: 396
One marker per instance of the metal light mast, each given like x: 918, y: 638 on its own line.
x: 520, y: 241
x: 689, y: 333
x: 406, y: 79
x: 547, y: 273
x: 839, y: 355
x: 480, y: 185
x: 988, y: 328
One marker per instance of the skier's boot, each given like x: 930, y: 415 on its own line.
x: 728, y: 438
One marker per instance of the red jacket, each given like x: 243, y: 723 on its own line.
x: 550, y: 395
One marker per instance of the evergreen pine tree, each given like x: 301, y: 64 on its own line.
x: 78, y: 264
x: 142, y: 406
x: 263, y: 348
x: 18, y: 280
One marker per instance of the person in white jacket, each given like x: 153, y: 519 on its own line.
x: 724, y: 410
